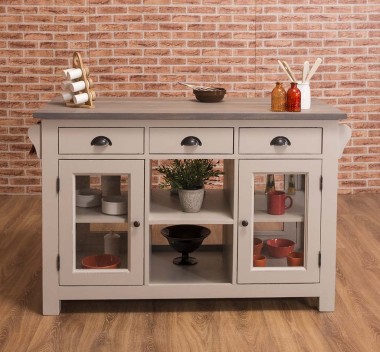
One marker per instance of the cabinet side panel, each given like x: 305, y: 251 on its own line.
x: 50, y: 279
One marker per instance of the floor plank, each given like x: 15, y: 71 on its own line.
x: 192, y: 325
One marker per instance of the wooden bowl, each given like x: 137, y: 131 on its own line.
x: 101, y: 261
x: 210, y: 96
x: 280, y: 247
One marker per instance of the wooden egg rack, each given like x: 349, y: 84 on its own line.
x: 78, y: 63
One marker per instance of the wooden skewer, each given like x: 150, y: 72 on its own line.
x: 290, y: 71
x: 313, y: 69
x: 305, y: 71
x: 285, y: 70
x: 197, y: 87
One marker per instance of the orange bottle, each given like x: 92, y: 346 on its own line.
x: 278, y: 98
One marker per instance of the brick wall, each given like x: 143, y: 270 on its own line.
x: 143, y: 47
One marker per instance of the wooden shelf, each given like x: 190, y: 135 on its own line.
x: 165, y: 209
x: 95, y: 215
x: 294, y: 214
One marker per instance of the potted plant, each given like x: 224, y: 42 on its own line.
x: 189, y: 177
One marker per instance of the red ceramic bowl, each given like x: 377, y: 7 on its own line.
x: 101, y: 261
x: 280, y: 247
x: 257, y: 246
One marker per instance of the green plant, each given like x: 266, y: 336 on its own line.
x: 188, y: 173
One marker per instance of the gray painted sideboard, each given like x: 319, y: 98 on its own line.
x: 143, y: 131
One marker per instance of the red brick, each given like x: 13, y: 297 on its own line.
x: 24, y: 181
x: 352, y: 184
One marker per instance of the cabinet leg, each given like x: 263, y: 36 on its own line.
x: 51, y: 307
x: 327, y: 303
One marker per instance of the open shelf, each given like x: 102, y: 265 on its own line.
x: 210, y: 268
x: 294, y: 214
x: 165, y: 209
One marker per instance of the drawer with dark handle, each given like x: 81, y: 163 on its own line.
x: 78, y: 140
x: 189, y: 140
x: 280, y: 140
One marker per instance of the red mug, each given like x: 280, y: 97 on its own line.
x: 276, y: 202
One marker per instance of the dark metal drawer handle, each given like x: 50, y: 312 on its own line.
x: 280, y: 141
x: 244, y: 223
x: 101, y: 141
x: 190, y: 141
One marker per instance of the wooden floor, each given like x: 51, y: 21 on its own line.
x: 192, y: 325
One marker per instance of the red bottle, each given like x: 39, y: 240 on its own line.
x: 293, y: 103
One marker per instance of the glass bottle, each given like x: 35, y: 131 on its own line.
x: 293, y: 103
x: 278, y: 98
x: 291, y: 185
x: 270, y: 185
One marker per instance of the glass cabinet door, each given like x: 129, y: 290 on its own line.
x: 101, y: 204
x: 279, y: 221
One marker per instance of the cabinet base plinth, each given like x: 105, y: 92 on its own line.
x: 326, y: 303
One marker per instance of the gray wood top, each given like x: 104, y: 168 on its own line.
x: 184, y: 109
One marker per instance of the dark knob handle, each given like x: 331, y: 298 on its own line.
x: 280, y: 141
x: 101, y: 140
x: 136, y: 223
x: 191, y: 140
x: 244, y: 223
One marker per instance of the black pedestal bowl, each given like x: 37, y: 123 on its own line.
x: 185, y: 239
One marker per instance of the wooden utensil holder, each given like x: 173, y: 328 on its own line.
x: 78, y: 63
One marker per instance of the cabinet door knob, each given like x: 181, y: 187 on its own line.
x: 244, y: 223
x: 190, y: 141
x: 101, y: 141
x: 280, y: 141
x: 136, y: 223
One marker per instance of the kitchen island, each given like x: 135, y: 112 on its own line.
x: 116, y: 147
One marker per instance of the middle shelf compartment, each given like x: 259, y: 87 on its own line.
x: 165, y: 209
x: 213, y: 259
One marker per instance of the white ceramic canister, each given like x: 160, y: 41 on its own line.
x: 67, y: 96
x: 73, y: 73
x: 77, y: 86
x: 111, y: 243
x: 304, y: 87
x: 65, y: 85
x: 80, y: 98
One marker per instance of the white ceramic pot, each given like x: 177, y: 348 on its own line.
x: 191, y: 200
x: 115, y: 205
x: 304, y: 87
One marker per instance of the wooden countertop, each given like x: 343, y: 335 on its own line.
x: 184, y: 109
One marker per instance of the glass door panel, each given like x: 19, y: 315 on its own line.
x: 279, y: 229
x: 101, y: 222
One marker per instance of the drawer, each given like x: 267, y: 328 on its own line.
x: 191, y: 140
x: 80, y: 140
x: 263, y: 141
